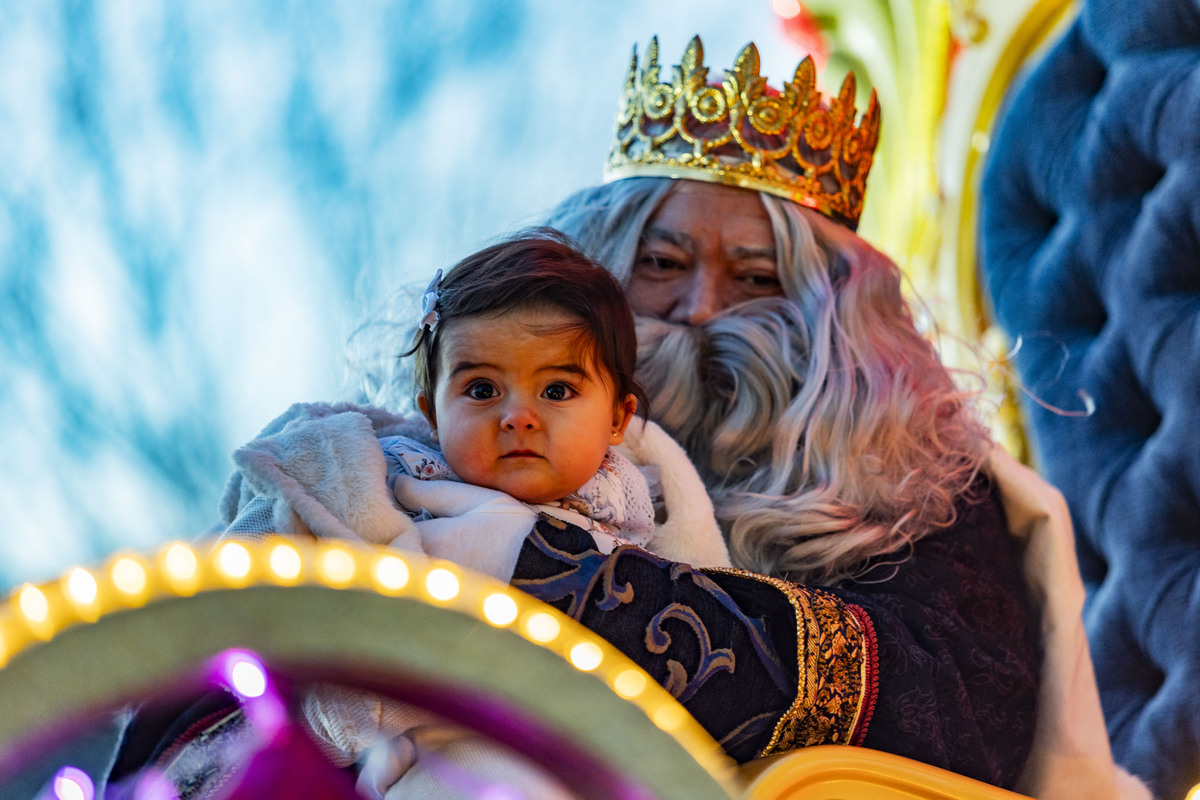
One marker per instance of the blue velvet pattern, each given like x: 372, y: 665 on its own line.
x: 1090, y: 242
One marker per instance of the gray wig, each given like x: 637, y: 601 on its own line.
x: 827, y: 430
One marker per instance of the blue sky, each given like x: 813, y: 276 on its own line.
x: 200, y: 200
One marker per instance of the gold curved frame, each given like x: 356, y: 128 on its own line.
x: 1043, y: 21
x: 138, y: 623
x: 832, y: 772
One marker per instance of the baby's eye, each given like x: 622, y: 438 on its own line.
x: 482, y: 390
x: 558, y: 391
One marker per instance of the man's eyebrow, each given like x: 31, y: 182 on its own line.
x: 753, y: 252
x: 685, y: 242
x: 680, y: 240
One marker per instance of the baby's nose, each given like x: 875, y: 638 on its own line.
x: 518, y: 416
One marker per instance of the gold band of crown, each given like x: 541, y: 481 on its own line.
x: 743, y: 133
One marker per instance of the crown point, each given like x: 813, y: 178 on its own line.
x: 650, y: 68
x: 805, y: 80
x: 748, y: 61
x: 693, y: 56
x: 871, y: 120
x: 847, y: 95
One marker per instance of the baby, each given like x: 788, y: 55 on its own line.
x: 524, y: 374
x: 524, y: 371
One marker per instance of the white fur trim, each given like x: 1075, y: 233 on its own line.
x: 691, y: 533
x: 1070, y: 756
x: 328, y: 471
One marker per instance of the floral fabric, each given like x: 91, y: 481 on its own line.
x: 617, y: 497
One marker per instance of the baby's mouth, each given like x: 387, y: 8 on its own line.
x: 521, y: 454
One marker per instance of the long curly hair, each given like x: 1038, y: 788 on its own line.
x: 824, y: 424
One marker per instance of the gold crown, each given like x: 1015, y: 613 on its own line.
x: 743, y: 133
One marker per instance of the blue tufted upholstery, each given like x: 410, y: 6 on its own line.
x: 1090, y: 243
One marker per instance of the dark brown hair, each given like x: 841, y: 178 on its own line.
x: 538, y: 268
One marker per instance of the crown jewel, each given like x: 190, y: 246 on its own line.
x: 744, y: 133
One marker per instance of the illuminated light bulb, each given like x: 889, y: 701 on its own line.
x: 285, y: 562
x: 336, y: 566
x: 390, y: 573
x: 586, y: 656
x: 242, y: 672
x: 128, y: 575
x: 81, y: 587
x: 542, y: 627
x: 180, y: 567
x: 441, y: 584
x: 1194, y: 794
x: 786, y: 9
x: 669, y: 716
x: 248, y: 679
x: 34, y: 604
x: 233, y: 560
x: 630, y: 683
x: 499, y: 609
x: 180, y: 562
x: 72, y: 783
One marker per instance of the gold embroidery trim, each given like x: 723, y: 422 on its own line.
x: 832, y: 665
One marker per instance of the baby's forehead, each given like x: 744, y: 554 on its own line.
x: 527, y: 336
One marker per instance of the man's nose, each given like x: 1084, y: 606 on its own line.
x: 701, y: 296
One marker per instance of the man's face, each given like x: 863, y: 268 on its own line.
x: 707, y: 247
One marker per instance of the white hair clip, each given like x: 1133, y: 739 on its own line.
x: 429, y: 301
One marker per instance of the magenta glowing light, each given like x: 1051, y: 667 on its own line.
x: 72, y: 783
x: 153, y: 785
x: 248, y: 679
x: 242, y: 672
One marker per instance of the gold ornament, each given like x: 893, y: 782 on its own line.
x: 791, y: 143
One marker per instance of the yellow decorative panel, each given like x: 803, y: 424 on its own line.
x: 942, y: 70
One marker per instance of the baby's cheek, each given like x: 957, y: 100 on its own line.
x: 466, y: 459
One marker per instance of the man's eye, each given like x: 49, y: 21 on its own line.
x: 656, y: 263
x: 558, y: 391
x: 762, y: 282
x: 481, y: 391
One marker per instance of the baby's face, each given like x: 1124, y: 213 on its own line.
x: 523, y: 411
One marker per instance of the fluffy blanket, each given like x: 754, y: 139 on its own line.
x: 318, y: 470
